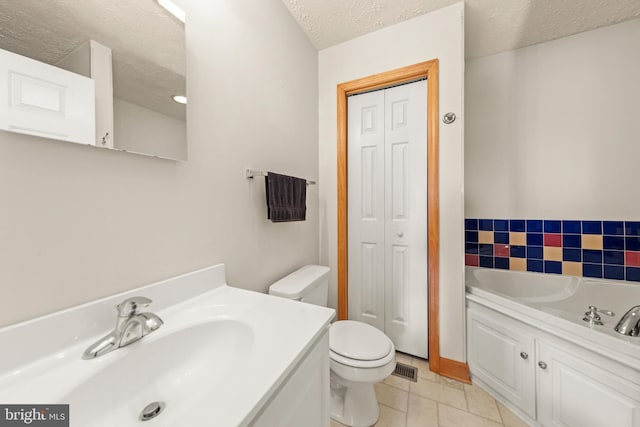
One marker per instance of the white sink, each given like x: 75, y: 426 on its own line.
x: 168, y: 369
x: 216, y: 360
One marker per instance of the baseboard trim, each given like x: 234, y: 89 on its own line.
x: 455, y: 370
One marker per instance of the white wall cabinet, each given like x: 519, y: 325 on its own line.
x: 554, y: 383
x: 43, y: 100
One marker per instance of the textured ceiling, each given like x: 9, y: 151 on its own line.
x: 147, y: 42
x: 491, y: 26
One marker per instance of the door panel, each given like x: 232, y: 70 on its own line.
x: 406, y: 216
x: 501, y: 354
x: 366, y: 208
x: 387, y: 213
x: 574, y: 392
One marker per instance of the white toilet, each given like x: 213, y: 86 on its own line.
x: 361, y: 355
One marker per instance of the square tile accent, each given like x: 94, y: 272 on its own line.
x: 591, y: 256
x: 613, y: 257
x: 517, y: 225
x: 486, y: 261
x: 592, y: 241
x: 518, y: 251
x: 552, y: 254
x: 613, y: 242
x: 632, y: 228
x: 534, y: 226
x: 632, y: 258
x: 485, y: 224
x: 501, y: 250
x: 552, y: 226
x: 535, y: 252
x: 553, y: 239
x: 571, y: 227
x: 632, y: 243
x: 632, y: 274
x: 569, y: 254
x: 502, y: 263
x: 471, y: 236
x: 590, y: 248
x: 535, y: 265
x: 501, y: 225
x: 553, y: 267
x: 485, y: 237
x: 592, y: 270
x: 471, y: 224
x: 591, y: 227
x: 613, y: 228
x: 534, y: 239
x: 501, y: 237
x: 615, y: 272
x: 518, y: 264
x: 572, y: 268
x: 517, y: 238
x: 572, y: 240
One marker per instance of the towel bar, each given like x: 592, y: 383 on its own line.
x: 253, y: 173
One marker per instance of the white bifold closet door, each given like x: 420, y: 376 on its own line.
x: 387, y: 213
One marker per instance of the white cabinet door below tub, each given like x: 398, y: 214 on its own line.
x: 501, y: 354
x: 574, y: 392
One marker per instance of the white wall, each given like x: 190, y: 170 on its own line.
x: 435, y: 35
x: 78, y: 223
x: 552, y: 129
x: 142, y: 130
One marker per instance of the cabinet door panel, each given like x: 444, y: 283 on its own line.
x: 43, y: 100
x: 573, y: 392
x: 502, y: 355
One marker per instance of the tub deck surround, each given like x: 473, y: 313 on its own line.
x: 556, y: 304
x: 265, y: 339
x: 598, y: 249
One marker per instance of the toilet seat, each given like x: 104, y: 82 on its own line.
x: 366, y: 364
x: 359, y: 345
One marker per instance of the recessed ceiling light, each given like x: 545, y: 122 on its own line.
x: 180, y: 99
x: 173, y: 9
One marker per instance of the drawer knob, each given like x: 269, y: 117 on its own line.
x: 542, y: 365
x: 524, y: 355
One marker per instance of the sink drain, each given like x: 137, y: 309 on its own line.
x: 151, y: 411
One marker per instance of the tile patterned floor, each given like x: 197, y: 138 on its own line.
x: 435, y: 401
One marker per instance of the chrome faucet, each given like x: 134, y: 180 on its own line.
x: 130, y: 327
x: 630, y: 323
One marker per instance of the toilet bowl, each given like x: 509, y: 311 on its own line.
x: 360, y: 355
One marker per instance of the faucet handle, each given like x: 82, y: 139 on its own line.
x: 129, y: 307
x: 593, y: 317
x: 594, y: 309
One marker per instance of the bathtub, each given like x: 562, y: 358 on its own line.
x: 560, y: 301
x: 528, y: 346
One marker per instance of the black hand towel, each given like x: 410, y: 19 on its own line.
x: 286, y: 198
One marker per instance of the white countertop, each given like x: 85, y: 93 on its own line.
x: 263, y: 339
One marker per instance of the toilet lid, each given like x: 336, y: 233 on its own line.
x: 357, y: 340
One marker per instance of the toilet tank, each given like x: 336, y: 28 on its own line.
x: 308, y: 284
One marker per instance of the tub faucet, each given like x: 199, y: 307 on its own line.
x: 630, y: 323
x: 130, y: 327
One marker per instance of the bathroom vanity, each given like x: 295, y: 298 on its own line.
x: 223, y: 357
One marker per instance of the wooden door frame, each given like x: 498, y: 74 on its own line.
x: 428, y: 70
